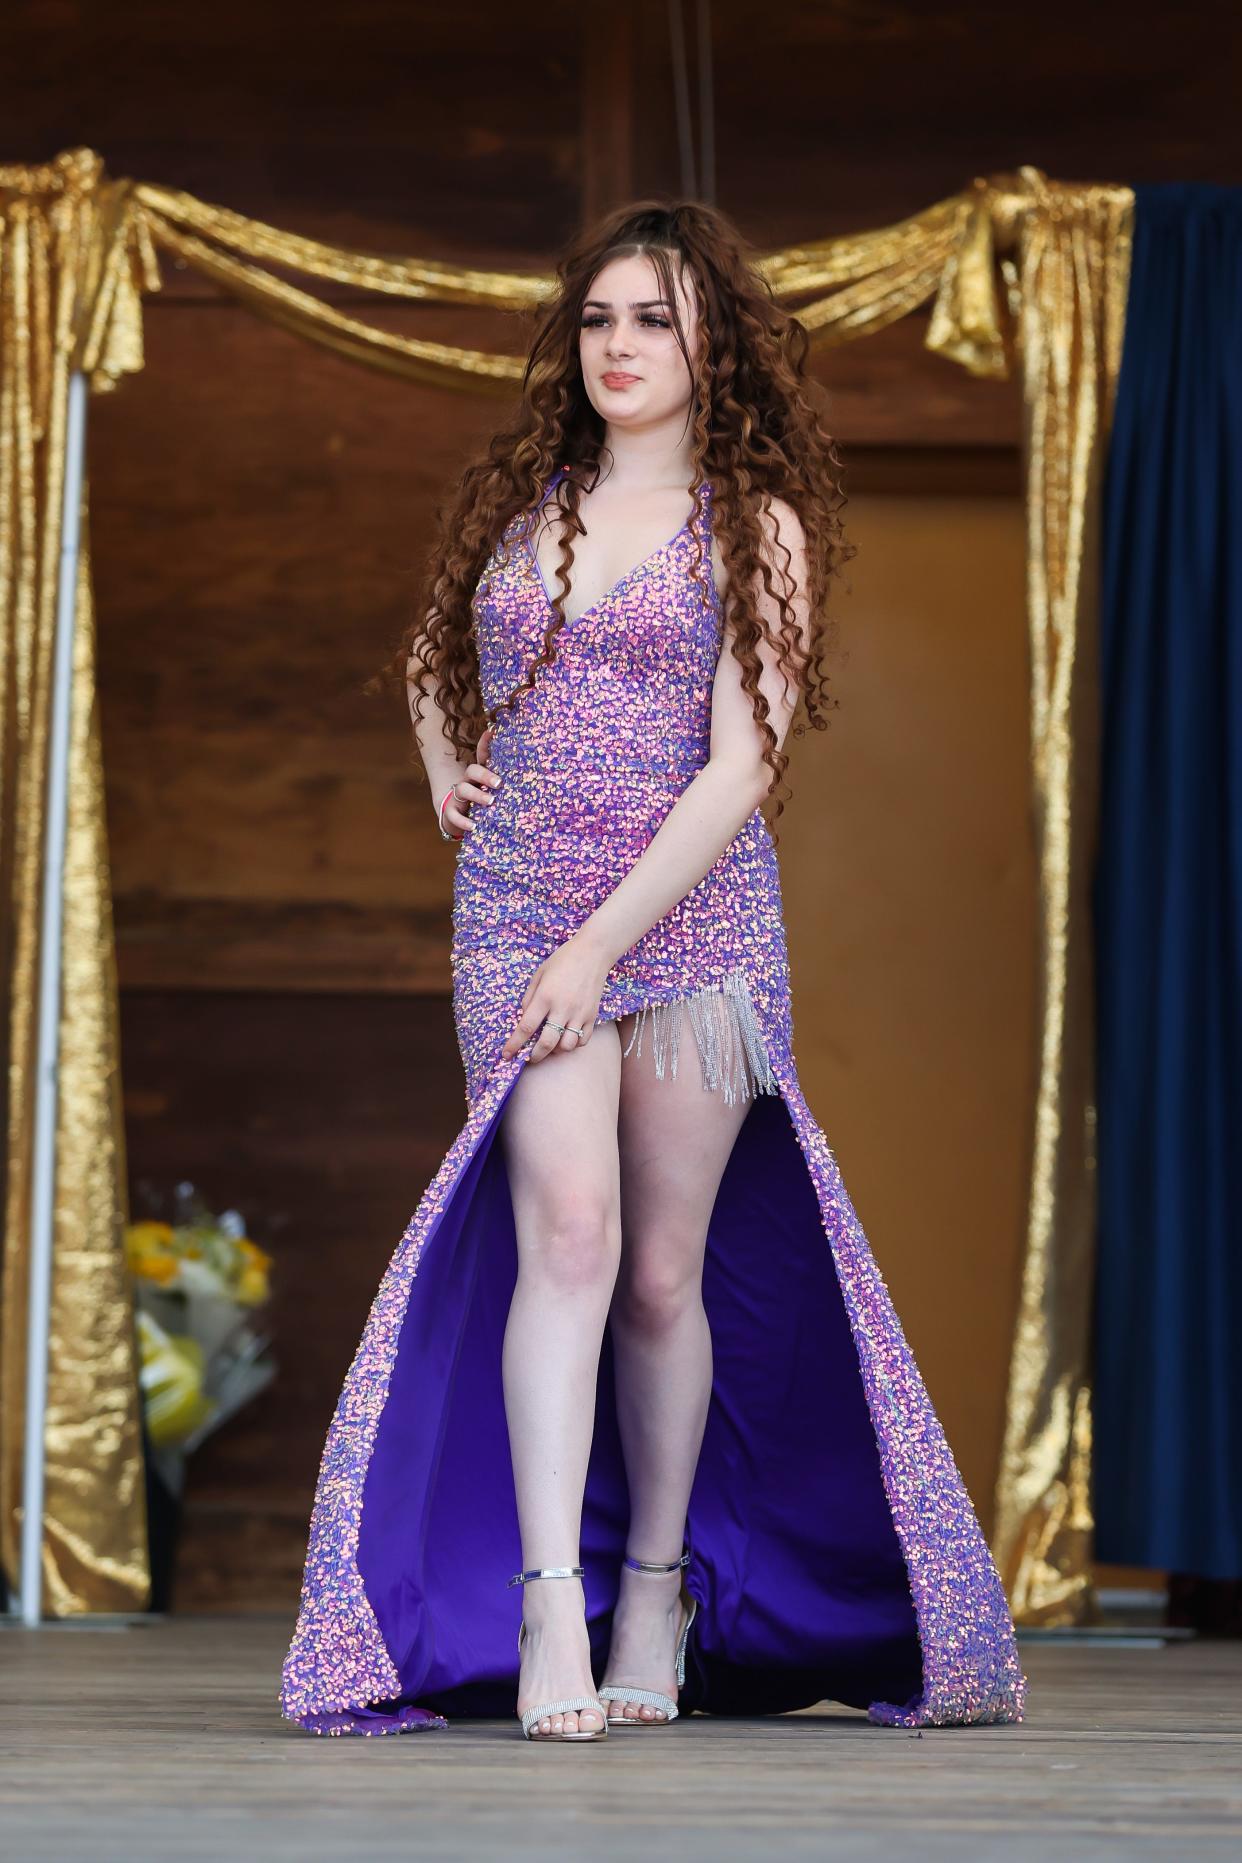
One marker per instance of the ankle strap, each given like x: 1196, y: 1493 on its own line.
x: 548, y: 1571
x: 652, y: 1565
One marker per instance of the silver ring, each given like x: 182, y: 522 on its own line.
x: 564, y: 1028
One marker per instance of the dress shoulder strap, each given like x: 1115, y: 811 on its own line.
x: 533, y: 514
x: 703, y: 510
x: 550, y: 487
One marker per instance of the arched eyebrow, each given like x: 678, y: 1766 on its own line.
x: 642, y: 304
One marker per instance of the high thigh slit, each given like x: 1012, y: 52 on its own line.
x: 835, y: 1551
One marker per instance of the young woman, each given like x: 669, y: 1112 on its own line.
x: 632, y: 1353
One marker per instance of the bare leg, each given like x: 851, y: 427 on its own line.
x: 559, y: 1132
x: 674, y: 1142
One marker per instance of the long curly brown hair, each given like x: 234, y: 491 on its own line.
x: 757, y: 433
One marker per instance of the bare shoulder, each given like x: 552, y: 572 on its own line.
x: 783, y: 540
x: 783, y: 532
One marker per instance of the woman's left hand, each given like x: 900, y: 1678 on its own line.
x: 566, y: 988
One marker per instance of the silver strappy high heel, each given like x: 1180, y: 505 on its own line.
x: 654, y: 1697
x: 545, y: 1709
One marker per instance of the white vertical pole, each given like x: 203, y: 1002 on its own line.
x: 43, y: 1176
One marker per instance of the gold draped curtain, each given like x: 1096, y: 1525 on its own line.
x: 1021, y: 272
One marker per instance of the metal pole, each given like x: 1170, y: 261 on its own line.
x: 43, y: 1173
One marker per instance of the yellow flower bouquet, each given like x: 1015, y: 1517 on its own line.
x: 198, y: 1283
x: 203, y: 1257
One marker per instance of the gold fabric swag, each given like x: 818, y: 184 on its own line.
x: 1016, y: 269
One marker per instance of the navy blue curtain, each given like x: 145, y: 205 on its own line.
x: 1168, y: 904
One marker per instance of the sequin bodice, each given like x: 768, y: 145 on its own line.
x: 595, y: 754
x: 635, y: 669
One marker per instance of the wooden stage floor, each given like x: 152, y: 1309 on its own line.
x: 162, y: 1743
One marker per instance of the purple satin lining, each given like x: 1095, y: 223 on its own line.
x: 803, y: 1591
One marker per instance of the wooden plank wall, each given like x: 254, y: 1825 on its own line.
x: 259, y: 511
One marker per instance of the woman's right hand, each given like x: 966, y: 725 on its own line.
x: 475, y: 786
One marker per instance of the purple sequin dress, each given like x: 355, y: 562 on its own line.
x: 836, y: 1554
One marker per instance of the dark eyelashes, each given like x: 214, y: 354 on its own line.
x: 652, y: 317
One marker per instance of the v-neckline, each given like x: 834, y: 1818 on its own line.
x: 573, y: 620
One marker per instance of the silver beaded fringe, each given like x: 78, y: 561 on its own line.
x: 726, y: 1032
